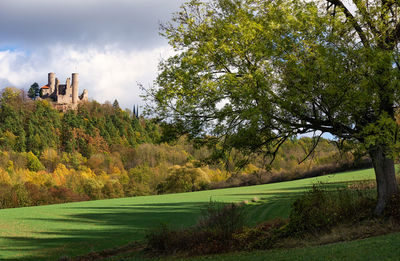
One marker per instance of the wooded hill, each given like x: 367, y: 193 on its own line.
x: 101, y: 151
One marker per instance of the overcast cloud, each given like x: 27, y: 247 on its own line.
x: 112, y: 44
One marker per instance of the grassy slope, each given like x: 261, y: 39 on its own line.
x: 50, y: 232
x: 376, y: 248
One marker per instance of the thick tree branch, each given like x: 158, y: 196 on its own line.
x: 366, y: 16
x: 352, y: 20
x: 393, y: 37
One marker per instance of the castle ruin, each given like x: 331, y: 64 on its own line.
x: 65, y: 96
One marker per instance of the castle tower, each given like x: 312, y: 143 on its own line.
x: 68, y: 83
x: 56, y: 88
x: 52, y: 82
x: 75, y: 87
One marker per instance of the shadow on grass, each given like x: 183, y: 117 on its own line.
x: 94, y: 228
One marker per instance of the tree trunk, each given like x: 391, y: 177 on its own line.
x: 385, y: 178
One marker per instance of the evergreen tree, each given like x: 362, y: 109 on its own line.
x: 115, y: 104
x: 33, y: 91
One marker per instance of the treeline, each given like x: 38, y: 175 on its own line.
x: 56, y: 177
x: 28, y: 125
x: 100, y: 151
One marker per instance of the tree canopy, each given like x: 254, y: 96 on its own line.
x: 255, y: 73
x: 36, y: 126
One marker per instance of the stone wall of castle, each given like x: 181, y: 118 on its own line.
x: 64, y: 96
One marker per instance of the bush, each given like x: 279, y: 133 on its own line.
x: 262, y: 236
x: 212, y: 234
x: 163, y: 240
x: 319, y: 210
x: 221, y: 219
x: 221, y: 226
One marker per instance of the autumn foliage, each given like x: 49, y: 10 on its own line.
x: 100, y: 151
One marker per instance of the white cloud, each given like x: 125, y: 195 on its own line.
x: 107, y: 73
x: 112, y: 44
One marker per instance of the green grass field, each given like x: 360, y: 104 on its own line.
x: 54, y: 231
x: 376, y: 248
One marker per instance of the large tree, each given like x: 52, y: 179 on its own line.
x: 256, y: 72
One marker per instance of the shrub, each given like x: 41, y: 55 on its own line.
x: 212, y: 234
x: 163, y: 240
x: 222, y: 219
x: 262, y: 236
x: 319, y: 210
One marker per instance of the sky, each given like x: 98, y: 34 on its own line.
x: 113, y: 45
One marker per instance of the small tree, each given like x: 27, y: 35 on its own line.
x: 34, y: 91
x: 115, y: 104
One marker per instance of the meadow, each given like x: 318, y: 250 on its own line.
x: 66, y: 230
x: 375, y: 248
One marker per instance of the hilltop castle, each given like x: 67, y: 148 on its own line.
x: 65, y: 96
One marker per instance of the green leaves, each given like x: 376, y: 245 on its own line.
x: 382, y: 133
x: 255, y: 72
x: 33, y: 91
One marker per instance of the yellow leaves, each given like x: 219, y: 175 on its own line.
x: 59, y: 175
x: 88, y: 174
x: 250, y: 169
x: 4, y: 177
x: 61, y: 169
x: 39, y: 178
x: 10, y: 166
x: 49, y: 157
x: 216, y: 175
x: 10, y: 93
x: 115, y: 170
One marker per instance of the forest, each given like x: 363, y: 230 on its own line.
x: 101, y: 151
